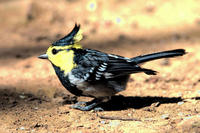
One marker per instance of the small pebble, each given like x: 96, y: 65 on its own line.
x: 180, y: 94
x: 180, y: 114
x: 149, y: 119
x: 22, y: 128
x: 36, y: 108
x: 114, y: 123
x: 155, y: 104
x: 92, y: 5
x: 118, y: 20
x: 103, y: 122
x: 187, y: 118
x: 22, y: 96
x: 165, y: 116
x: 180, y: 103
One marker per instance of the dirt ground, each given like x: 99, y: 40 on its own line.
x: 33, y: 100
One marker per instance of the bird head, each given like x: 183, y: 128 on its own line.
x: 61, y: 53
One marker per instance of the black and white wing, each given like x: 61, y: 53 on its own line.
x: 95, y: 65
x: 92, y: 65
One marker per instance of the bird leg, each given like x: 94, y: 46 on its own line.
x: 80, y: 103
x: 89, y: 105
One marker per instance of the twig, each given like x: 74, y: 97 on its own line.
x: 119, y: 118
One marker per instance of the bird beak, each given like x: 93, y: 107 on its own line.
x: 43, y: 56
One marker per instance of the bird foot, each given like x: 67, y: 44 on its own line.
x: 84, y: 108
x: 81, y: 103
x: 87, y: 106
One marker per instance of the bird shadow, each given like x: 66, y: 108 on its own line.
x: 122, y: 102
x: 10, y: 98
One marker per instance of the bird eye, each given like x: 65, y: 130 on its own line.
x: 54, y: 51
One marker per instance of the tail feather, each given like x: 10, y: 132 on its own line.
x: 159, y: 55
x: 150, y: 72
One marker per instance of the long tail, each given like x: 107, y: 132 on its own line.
x: 159, y: 55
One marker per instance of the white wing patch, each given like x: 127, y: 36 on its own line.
x: 74, y: 80
x: 86, y: 76
x: 91, y: 70
x: 117, y: 57
x: 114, y: 56
x: 100, y: 71
x: 108, y: 75
x: 102, y: 67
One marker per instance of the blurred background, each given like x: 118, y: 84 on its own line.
x: 125, y: 27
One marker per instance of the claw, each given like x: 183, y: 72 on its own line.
x: 98, y: 109
x: 79, y: 107
x: 84, y: 108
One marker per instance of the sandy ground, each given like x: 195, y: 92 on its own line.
x: 33, y: 100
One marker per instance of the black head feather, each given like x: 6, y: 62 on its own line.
x: 68, y: 39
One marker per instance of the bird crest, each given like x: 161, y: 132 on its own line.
x: 72, y: 38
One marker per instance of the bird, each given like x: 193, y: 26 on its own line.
x: 92, y: 73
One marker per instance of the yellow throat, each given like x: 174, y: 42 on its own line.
x: 64, y: 59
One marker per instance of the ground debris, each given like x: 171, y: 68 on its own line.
x: 165, y: 116
x: 119, y: 118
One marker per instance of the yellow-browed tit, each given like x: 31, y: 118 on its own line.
x: 91, y: 73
